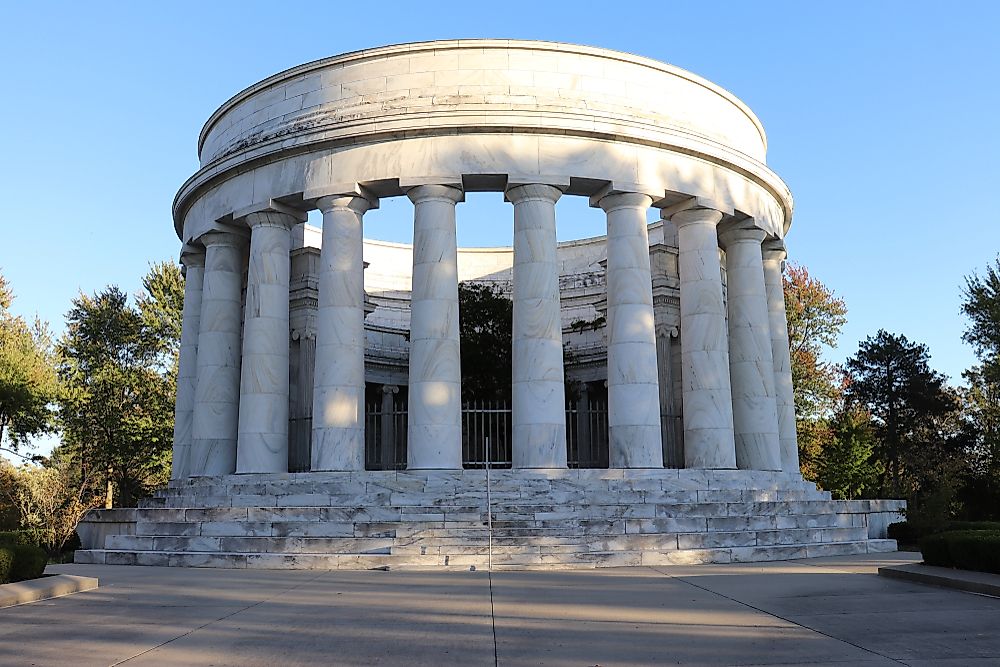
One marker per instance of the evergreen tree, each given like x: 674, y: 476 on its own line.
x: 981, y: 400
x: 912, y: 411
x: 981, y: 305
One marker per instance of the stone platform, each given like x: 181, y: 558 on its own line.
x: 438, y: 519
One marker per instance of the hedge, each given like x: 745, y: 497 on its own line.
x: 38, y: 537
x: 6, y: 563
x: 21, y: 561
x: 972, y: 525
x: 905, y: 531
x: 964, y: 549
x: 29, y: 562
x: 902, y: 531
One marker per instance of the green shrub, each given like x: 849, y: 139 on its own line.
x: 972, y: 525
x: 909, y: 531
x: 976, y: 550
x: 39, y: 537
x: 21, y: 561
x: 6, y: 563
x: 966, y: 549
x: 29, y: 562
x: 902, y: 531
x: 36, y: 536
x: 12, y: 537
x: 934, y: 549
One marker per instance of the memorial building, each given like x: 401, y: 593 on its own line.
x: 320, y: 416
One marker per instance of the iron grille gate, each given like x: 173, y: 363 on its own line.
x: 386, y: 421
x: 586, y: 434
x: 482, y: 420
x: 385, y: 432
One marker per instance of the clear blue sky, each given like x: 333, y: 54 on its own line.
x: 881, y: 116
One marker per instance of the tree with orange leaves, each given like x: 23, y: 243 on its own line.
x: 815, y: 318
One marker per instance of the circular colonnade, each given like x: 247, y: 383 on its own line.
x: 432, y: 121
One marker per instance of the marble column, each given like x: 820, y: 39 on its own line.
x: 434, y: 427
x: 774, y: 255
x: 706, y: 396
x: 751, y: 369
x: 633, y: 387
x: 263, y: 427
x: 217, y: 394
x: 539, y: 405
x: 193, y: 259
x: 338, y: 438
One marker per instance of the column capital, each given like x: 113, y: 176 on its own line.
x: 613, y: 201
x: 271, y: 207
x: 270, y: 218
x: 359, y: 204
x: 516, y: 194
x: 192, y: 255
x: 431, y: 192
x: 352, y: 196
x: 667, y: 212
x: 741, y: 232
x: 223, y: 237
x: 696, y: 216
x: 774, y: 249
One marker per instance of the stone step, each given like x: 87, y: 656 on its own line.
x: 270, y: 561
x: 465, y: 512
x: 251, y: 544
x: 437, y: 519
x: 309, y: 524
x: 479, y: 560
x: 442, y: 540
x: 679, y: 540
x: 478, y: 498
x: 445, y: 481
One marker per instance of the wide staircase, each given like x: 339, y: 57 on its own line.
x: 450, y: 519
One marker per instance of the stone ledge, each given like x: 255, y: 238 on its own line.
x: 963, y: 580
x: 44, y: 588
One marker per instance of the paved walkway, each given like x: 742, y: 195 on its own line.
x: 831, y: 611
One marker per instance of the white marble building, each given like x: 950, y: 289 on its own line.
x: 538, y: 121
x: 284, y: 326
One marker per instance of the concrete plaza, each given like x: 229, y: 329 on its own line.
x: 831, y: 611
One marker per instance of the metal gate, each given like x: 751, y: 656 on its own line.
x: 385, y: 429
x: 484, y: 421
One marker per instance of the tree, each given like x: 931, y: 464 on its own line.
x: 117, y: 411
x: 980, y: 405
x: 815, y: 318
x: 848, y: 468
x: 981, y: 305
x: 49, y: 498
x: 28, y: 382
x: 161, y: 304
x: 981, y: 400
x: 913, y: 412
x: 485, y: 330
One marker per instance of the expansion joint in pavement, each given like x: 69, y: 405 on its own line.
x: 222, y: 618
x: 778, y: 616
